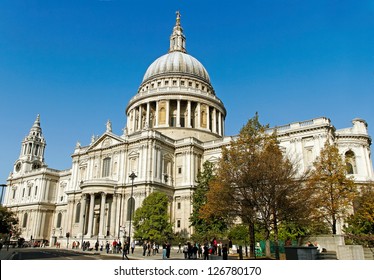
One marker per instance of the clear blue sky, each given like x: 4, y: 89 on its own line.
x: 77, y: 63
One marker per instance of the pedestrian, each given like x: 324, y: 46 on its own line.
x: 107, y: 247
x: 179, y: 248
x: 168, y: 249
x: 144, y: 248
x: 185, y: 250
x: 125, y: 250
x: 132, y: 247
x: 224, y: 252
x: 206, y: 252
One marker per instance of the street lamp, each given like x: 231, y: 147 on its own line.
x: 2, y: 191
x: 132, y: 177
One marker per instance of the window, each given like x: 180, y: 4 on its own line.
x: 59, y: 219
x: 24, y: 224
x: 23, y: 192
x: 29, y: 191
x: 36, y: 190
x: 166, y: 83
x: 179, y: 170
x: 178, y: 223
x: 179, y: 206
x: 182, y: 83
x: 77, y: 213
x: 190, y: 84
x: 14, y: 193
x: 158, y: 84
x: 350, y: 160
x: 174, y: 82
x: 106, y: 167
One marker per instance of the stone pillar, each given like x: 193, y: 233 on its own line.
x: 140, y: 121
x: 198, y: 116
x: 188, y: 114
x: 102, y: 215
x: 220, y: 123
x: 156, y: 114
x: 91, y: 214
x: 214, y: 121
x: 113, y: 212
x: 83, y: 213
x: 167, y: 113
x: 178, y: 113
x: 147, y: 119
x: 207, y: 117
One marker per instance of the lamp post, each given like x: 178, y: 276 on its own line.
x: 132, y: 177
x: 2, y: 191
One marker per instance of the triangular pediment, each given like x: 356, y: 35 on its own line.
x: 213, y: 159
x: 105, y: 141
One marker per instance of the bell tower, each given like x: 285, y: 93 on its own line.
x: 32, y: 150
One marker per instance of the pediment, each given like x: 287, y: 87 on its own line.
x: 105, y: 141
x: 213, y: 159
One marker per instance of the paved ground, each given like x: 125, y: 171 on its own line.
x: 138, y: 254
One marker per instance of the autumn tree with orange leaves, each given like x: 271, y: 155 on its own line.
x: 332, y: 190
x: 256, y: 184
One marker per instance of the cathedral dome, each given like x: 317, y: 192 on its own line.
x: 176, y: 63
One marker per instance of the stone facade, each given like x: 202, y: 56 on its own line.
x: 175, y: 122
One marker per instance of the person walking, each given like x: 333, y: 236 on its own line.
x: 125, y: 250
x: 224, y: 252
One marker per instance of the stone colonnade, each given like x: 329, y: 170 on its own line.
x: 176, y: 113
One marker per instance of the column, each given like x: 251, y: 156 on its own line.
x: 113, y: 212
x: 178, y: 113
x: 207, y: 117
x: 198, y: 116
x: 147, y: 120
x: 167, y: 113
x: 83, y: 213
x: 188, y: 114
x: 140, y: 118
x: 118, y: 217
x: 214, y: 121
x: 102, y: 215
x: 134, y: 120
x: 91, y: 214
x: 220, y: 123
x: 156, y: 114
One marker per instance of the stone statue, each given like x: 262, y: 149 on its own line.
x: 108, y: 126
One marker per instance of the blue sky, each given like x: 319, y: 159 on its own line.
x: 77, y: 63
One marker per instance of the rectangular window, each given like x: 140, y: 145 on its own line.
x: 106, y: 167
x: 179, y: 170
x: 14, y: 194
x: 178, y: 223
x: 166, y: 83
x: 179, y: 206
x: 29, y: 192
x: 174, y: 83
x: 182, y: 83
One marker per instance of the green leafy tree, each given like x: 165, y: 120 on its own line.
x: 8, y: 223
x: 212, y: 226
x: 360, y: 225
x: 151, y: 220
x: 332, y: 190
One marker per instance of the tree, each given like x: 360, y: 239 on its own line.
x: 151, y: 220
x: 205, y: 228
x: 362, y: 221
x: 256, y: 183
x: 332, y: 191
x: 8, y: 223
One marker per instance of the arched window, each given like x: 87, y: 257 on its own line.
x: 130, y: 207
x: 59, y: 219
x: 77, y: 213
x: 24, y: 224
x: 350, y: 160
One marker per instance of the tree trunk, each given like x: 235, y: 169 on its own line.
x: 252, y: 239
